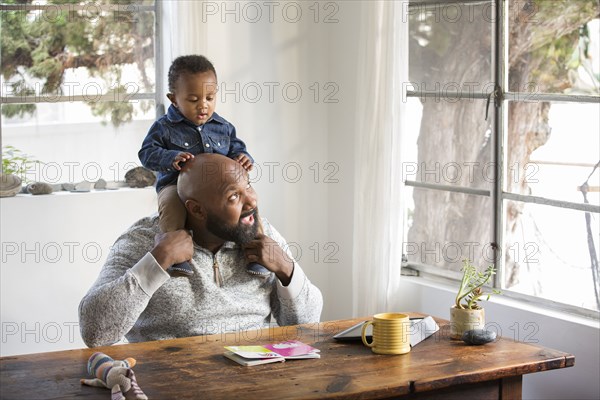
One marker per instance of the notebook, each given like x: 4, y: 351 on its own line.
x: 278, y: 352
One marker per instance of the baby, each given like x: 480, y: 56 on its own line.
x: 191, y: 126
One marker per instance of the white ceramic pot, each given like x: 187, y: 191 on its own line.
x: 465, y: 320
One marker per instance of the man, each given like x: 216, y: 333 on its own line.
x: 135, y: 297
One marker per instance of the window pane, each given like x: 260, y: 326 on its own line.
x: 55, y: 50
x: 552, y: 149
x: 58, y: 53
x: 72, y: 145
x: 547, y: 253
x: 77, y: 111
x: 444, y: 228
x: 448, y: 142
x: 553, y: 46
x: 450, y: 46
x: 97, y: 53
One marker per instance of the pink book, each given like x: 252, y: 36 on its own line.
x: 256, y: 355
x: 293, y: 349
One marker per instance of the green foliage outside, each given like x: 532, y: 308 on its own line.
x: 40, y: 46
x: 554, y: 36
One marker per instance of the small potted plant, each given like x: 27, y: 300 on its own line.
x: 466, y: 314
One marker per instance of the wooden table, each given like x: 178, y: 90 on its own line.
x: 194, y: 368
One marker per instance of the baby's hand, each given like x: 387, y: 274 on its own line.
x: 244, y: 161
x: 181, y: 157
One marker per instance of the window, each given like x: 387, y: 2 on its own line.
x: 502, y: 163
x: 78, y: 86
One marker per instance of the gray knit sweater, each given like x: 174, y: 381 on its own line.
x: 134, y: 297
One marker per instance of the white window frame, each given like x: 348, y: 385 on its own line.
x: 128, y: 8
x: 498, y: 105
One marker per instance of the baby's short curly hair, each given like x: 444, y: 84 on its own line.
x: 188, y: 64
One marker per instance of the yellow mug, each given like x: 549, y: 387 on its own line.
x: 391, y: 333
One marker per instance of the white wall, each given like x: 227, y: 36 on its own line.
x: 53, y: 247
x: 77, y: 151
x: 287, y: 82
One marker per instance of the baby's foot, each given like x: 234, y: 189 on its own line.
x: 181, y: 269
x: 257, y: 269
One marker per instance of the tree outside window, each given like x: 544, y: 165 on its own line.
x: 505, y: 171
x: 77, y: 79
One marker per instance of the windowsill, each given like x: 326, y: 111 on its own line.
x: 506, y: 301
x: 93, y: 192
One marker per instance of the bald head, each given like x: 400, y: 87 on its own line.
x: 206, y: 175
x: 220, y: 201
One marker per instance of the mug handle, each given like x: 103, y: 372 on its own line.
x: 363, y: 334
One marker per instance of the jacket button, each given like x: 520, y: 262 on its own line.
x: 218, y: 143
x: 207, y: 145
x: 186, y: 144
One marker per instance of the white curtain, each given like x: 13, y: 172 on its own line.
x: 378, y: 215
x: 183, y: 32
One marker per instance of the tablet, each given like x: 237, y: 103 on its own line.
x: 354, y: 332
x: 421, y: 329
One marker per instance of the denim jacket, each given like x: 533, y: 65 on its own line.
x: 173, y: 133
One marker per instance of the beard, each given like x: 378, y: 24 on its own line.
x: 239, y: 233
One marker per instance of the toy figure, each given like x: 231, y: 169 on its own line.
x: 115, y: 375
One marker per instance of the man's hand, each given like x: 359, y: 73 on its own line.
x: 181, y: 157
x: 268, y: 253
x: 244, y: 161
x: 172, y: 248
